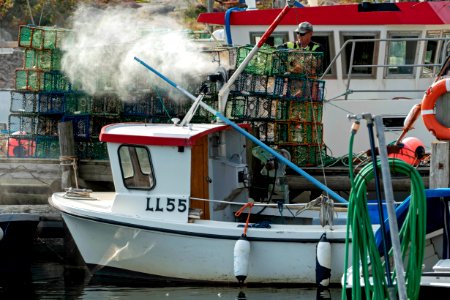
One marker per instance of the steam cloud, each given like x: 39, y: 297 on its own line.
x: 100, y: 53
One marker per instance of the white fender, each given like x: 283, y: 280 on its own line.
x: 1, y: 233
x: 323, y: 261
x: 241, y: 258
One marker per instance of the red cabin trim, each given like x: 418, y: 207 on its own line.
x: 129, y: 138
x: 411, y: 13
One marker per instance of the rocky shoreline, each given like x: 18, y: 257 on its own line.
x: 11, y: 58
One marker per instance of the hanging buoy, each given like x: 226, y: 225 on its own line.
x: 411, y: 150
x: 323, y: 261
x: 1, y: 233
x: 241, y: 258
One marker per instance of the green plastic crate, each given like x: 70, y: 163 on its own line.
x: 47, y: 60
x: 77, y: 103
x: 25, y: 35
x: 29, y: 80
x: 47, y: 147
x: 261, y: 62
x: 292, y: 132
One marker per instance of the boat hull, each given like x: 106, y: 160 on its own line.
x: 200, y: 254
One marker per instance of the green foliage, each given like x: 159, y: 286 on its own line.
x: 5, y: 6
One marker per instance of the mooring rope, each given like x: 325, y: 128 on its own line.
x: 73, y: 163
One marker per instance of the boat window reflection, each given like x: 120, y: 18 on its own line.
x: 275, y: 39
x: 137, y: 171
x: 430, y: 55
x: 402, y: 53
x: 363, y: 54
x: 325, y: 39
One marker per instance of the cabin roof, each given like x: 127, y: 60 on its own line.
x: 159, y: 134
x: 409, y: 13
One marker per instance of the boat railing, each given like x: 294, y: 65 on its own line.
x: 383, y: 54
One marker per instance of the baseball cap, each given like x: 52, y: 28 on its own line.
x: 304, y: 27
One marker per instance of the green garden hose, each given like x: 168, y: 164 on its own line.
x: 365, y: 256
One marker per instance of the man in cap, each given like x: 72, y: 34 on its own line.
x: 304, y: 33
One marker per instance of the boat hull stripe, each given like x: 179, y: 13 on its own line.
x: 203, y: 235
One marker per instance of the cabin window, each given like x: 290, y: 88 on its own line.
x: 363, y: 50
x: 274, y: 40
x: 393, y: 123
x: 401, y: 54
x: 445, y: 46
x: 137, y: 170
x: 325, y: 39
x: 430, y: 55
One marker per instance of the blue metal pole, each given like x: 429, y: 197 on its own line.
x: 280, y: 157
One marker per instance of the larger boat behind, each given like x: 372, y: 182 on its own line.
x: 378, y: 57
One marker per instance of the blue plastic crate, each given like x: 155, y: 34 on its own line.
x: 81, y: 126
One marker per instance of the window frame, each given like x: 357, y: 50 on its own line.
x: 138, y: 174
x: 256, y: 35
x: 404, y: 34
x: 346, y: 60
x: 434, y: 69
x: 328, y: 49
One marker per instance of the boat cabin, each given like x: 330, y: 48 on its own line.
x: 171, y: 172
x: 379, y: 58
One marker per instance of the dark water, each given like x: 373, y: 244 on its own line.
x: 51, y: 280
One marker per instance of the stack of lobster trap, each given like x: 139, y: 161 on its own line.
x: 280, y: 96
x: 44, y: 96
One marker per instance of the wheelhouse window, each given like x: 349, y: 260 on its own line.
x: 136, y: 166
x: 363, y: 51
x: 430, y: 55
x: 274, y: 40
x: 325, y: 39
x: 402, y: 52
x: 446, y: 46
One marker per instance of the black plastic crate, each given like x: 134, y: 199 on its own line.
x: 51, y: 103
x: 139, y: 104
x: 106, y: 105
x: 47, y: 125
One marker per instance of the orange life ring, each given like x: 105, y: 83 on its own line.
x: 428, y: 113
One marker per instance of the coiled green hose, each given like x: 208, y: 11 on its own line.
x: 366, y: 259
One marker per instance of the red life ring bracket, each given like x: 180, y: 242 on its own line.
x: 428, y: 112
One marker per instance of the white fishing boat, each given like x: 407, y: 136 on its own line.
x: 172, y: 215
